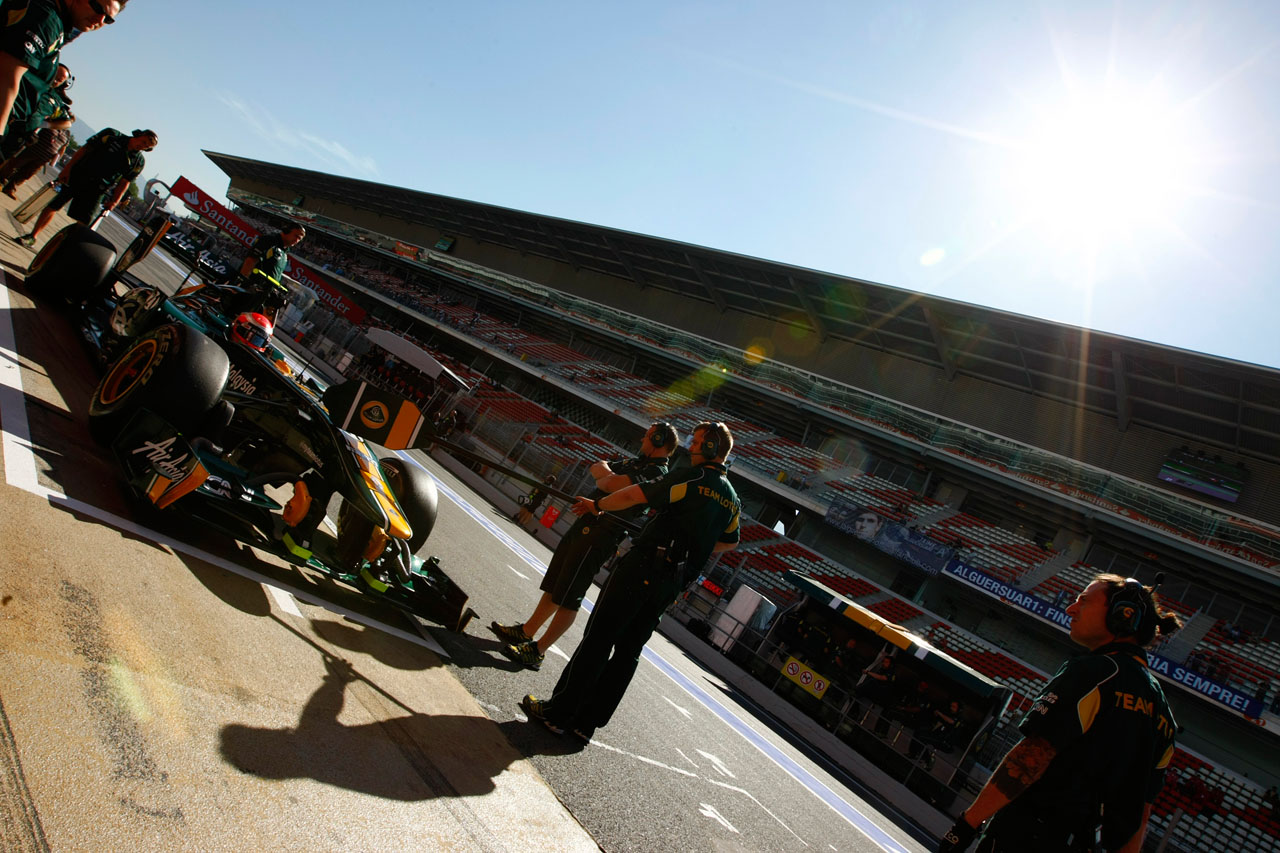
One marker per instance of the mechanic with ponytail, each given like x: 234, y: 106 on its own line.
x: 1096, y: 742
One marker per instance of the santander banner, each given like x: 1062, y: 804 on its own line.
x: 203, y: 204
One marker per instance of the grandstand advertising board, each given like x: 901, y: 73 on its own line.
x: 1009, y: 594
x: 909, y: 546
x: 202, y: 204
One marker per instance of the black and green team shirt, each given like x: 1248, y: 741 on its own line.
x: 273, y: 260
x: 696, y: 508
x: 1107, y: 719
x: 105, y: 162
x: 641, y: 469
x: 32, y: 31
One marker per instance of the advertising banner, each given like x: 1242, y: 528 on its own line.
x: 1010, y: 594
x: 205, y: 206
x: 908, y: 545
x: 406, y: 250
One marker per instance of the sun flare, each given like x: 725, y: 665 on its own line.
x: 1105, y: 164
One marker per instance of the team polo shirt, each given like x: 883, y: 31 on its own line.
x: 32, y: 31
x: 106, y: 161
x: 696, y: 508
x: 273, y: 260
x: 641, y: 469
x: 1107, y: 719
x: 49, y: 105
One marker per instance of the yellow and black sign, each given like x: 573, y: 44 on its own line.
x: 803, y: 675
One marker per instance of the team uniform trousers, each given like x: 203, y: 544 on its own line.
x: 577, y: 558
x: 640, y: 588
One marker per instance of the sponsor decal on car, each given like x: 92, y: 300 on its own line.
x: 373, y: 414
x: 158, y: 454
x: 237, y: 381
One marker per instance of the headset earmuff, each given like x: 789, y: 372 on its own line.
x: 1127, y: 608
x: 711, y: 442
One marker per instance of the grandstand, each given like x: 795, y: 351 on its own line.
x: 1031, y: 450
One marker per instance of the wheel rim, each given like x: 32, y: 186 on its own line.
x: 124, y: 375
x: 46, y: 252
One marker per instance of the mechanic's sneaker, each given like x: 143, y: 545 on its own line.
x: 511, y: 633
x: 525, y: 653
x: 537, y: 711
x: 10, y: 192
x: 25, y: 240
x: 583, y: 734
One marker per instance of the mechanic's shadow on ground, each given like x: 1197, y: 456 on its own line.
x: 410, y: 757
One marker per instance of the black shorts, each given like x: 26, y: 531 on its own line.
x: 574, y: 564
x: 82, y: 204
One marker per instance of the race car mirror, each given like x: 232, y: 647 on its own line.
x: 148, y: 238
x: 377, y: 415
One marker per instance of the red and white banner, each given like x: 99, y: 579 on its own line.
x: 407, y: 250
x: 204, y: 205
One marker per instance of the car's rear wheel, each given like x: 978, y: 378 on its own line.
x: 173, y: 370
x: 72, y: 265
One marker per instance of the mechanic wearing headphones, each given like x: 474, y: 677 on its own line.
x: 1095, y: 745
x: 697, y: 515
x: 584, y: 549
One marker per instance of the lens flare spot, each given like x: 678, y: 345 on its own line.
x: 128, y: 692
x: 933, y: 257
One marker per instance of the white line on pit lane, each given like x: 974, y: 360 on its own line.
x: 522, y: 577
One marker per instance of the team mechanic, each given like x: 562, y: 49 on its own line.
x: 32, y: 34
x: 1095, y: 744
x: 584, y: 549
x: 697, y: 515
x: 261, y: 273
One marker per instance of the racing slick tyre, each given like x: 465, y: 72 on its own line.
x: 72, y: 265
x: 416, y: 493
x: 174, y: 370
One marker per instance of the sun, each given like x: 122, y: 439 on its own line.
x: 1104, y: 164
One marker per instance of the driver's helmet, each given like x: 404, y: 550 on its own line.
x: 253, y: 330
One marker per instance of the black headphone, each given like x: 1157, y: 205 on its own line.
x: 1127, y: 607
x: 710, y: 447
x: 661, y: 434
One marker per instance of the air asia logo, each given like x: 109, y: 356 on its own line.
x: 236, y: 381
x: 373, y: 415
x: 160, y: 457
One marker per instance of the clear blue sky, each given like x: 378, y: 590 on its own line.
x: 1114, y: 165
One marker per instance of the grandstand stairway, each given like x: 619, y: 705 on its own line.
x: 1192, y: 632
x: 1041, y: 573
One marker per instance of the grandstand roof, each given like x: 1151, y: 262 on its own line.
x: 1203, y: 398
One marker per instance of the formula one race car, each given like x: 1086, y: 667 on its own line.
x: 208, y: 419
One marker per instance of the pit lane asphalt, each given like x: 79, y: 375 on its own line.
x: 667, y: 774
